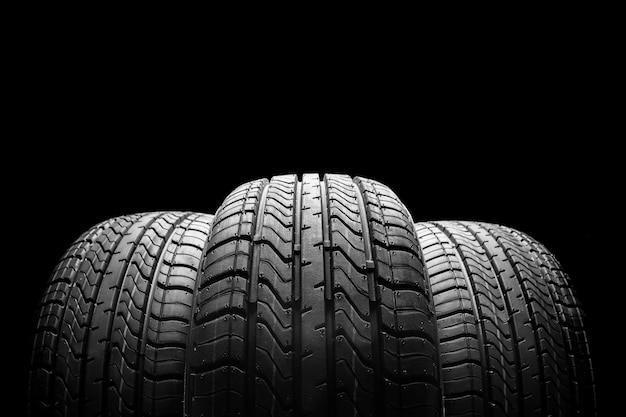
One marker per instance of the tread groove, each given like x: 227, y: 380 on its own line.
x: 254, y: 261
x: 148, y: 308
x: 495, y: 235
x: 329, y: 306
x: 511, y: 321
x: 297, y: 296
x: 477, y: 312
x: 111, y: 322
x: 374, y: 301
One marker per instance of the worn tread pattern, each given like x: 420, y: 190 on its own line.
x: 112, y: 326
x: 511, y: 331
x: 312, y: 301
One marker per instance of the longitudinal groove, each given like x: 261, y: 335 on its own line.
x: 544, y: 297
x: 64, y: 311
x: 252, y: 291
x: 374, y: 301
x: 582, y: 387
x: 509, y: 310
x: 553, y: 333
x: 484, y: 354
x: 107, y: 350
x: 230, y: 300
x: 297, y: 298
x: 99, y: 274
x: 395, y: 313
x: 148, y: 308
x: 329, y: 306
x: 494, y: 234
x: 313, y: 383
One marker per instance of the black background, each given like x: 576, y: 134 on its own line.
x: 512, y: 137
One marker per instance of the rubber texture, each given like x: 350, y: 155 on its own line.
x: 511, y: 331
x: 113, y: 324
x: 312, y: 301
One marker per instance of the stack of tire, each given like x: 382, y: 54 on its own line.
x: 308, y: 297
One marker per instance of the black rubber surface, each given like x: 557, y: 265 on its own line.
x: 112, y: 329
x: 312, y: 301
x: 512, y: 335
x: 317, y: 297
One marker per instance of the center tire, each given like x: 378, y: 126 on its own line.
x: 312, y: 301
